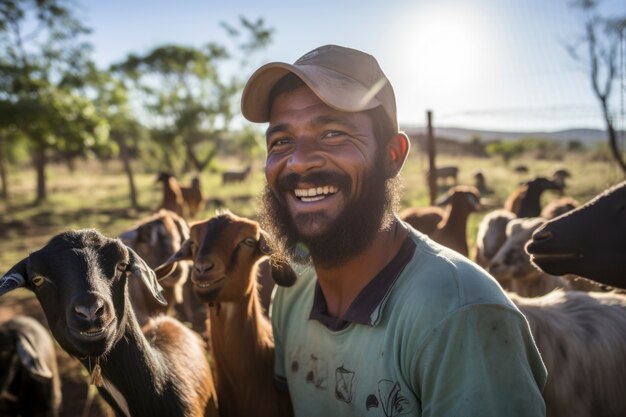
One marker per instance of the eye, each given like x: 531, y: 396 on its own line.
x: 122, y: 266
x: 333, y: 134
x: 249, y: 242
x: 38, y: 280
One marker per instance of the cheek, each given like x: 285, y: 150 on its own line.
x: 271, y: 171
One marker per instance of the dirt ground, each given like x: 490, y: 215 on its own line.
x: 79, y: 398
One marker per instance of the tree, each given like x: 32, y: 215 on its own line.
x: 42, y: 72
x: 113, y: 103
x: 600, y: 44
x: 190, y: 103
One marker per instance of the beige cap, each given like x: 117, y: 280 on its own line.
x: 345, y: 79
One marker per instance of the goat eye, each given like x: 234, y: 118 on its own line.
x: 38, y: 280
x: 122, y: 266
x: 249, y: 241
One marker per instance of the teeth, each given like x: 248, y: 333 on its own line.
x: 318, y: 193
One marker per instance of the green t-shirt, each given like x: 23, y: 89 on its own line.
x: 431, y: 335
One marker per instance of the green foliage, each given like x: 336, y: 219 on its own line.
x: 505, y: 149
x: 42, y: 74
x: 190, y: 104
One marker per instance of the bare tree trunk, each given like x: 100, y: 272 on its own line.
x: 121, y: 141
x: 617, y: 155
x: 4, y: 194
x: 432, y: 152
x: 39, y: 159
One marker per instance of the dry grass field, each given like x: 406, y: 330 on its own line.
x: 96, y: 196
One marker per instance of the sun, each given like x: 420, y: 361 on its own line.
x: 445, y: 52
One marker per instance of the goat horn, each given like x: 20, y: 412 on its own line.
x: 10, y: 282
x: 14, y: 278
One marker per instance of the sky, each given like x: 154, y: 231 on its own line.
x: 481, y: 64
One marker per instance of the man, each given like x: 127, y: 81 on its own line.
x: 382, y: 321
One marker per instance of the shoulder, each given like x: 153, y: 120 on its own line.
x: 437, y: 282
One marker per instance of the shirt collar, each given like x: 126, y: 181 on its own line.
x: 366, y: 302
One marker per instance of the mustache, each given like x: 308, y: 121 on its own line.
x: 318, y: 178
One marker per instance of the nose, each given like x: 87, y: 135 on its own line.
x: 89, y: 308
x: 305, y: 156
x: 542, y: 236
x: 203, y: 267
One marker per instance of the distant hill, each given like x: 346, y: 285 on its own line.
x: 589, y: 137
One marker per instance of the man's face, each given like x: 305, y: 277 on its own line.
x: 325, y: 179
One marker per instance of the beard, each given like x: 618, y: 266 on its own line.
x: 343, y: 238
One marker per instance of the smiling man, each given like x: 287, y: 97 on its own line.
x: 382, y: 321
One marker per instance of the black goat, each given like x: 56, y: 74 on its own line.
x: 29, y: 375
x: 589, y: 241
x: 81, y: 281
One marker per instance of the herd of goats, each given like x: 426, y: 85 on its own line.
x: 171, y: 318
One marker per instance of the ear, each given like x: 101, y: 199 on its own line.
x: 443, y: 200
x: 30, y: 359
x: 14, y: 278
x: 141, y: 270
x: 397, y: 151
x: 264, y: 245
x: 282, y: 274
x: 184, y: 253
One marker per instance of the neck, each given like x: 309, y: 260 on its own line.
x: 130, y: 366
x: 243, y: 353
x: 341, y: 285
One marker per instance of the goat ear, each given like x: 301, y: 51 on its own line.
x: 282, y: 274
x: 264, y: 245
x: 442, y: 201
x: 167, y: 267
x: 30, y: 359
x: 14, y: 278
x: 141, y: 270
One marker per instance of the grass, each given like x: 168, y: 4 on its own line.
x: 96, y: 195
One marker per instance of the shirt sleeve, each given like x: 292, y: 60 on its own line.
x: 480, y: 360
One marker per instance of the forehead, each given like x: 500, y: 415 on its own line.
x: 302, y: 105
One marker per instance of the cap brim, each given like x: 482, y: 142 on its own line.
x: 333, y: 88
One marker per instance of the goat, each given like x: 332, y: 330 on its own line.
x: 559, y: 176
x: 582, y: 340
x: 450, y: 231
x: 461, y: 201
x: 512, y: 268
x: 521, y: 169
x: 192, y: 197
x: 424, y: 219
x: 479, y: 182
x: 446, y: 172
x: 491, y: 235
x: 80, y: 278
x: 172, y: 194
x: 235, y: 176
x: 226, y: 251
x: 155, y: 239
x: 557, y: 207
x: 29, y: 381
x: 589, y: 241
x: 525, y: 200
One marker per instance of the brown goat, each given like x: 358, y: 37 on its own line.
x: 235, y: 176
x: 557, y: 207
x: 424, y: 219
x: 226, y: 251
x: 156, y: 238
x: 450, y: 231
x: 192, y: 197
x: 172, y: 195
x: 525, y: 200
x: 461, y: 201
